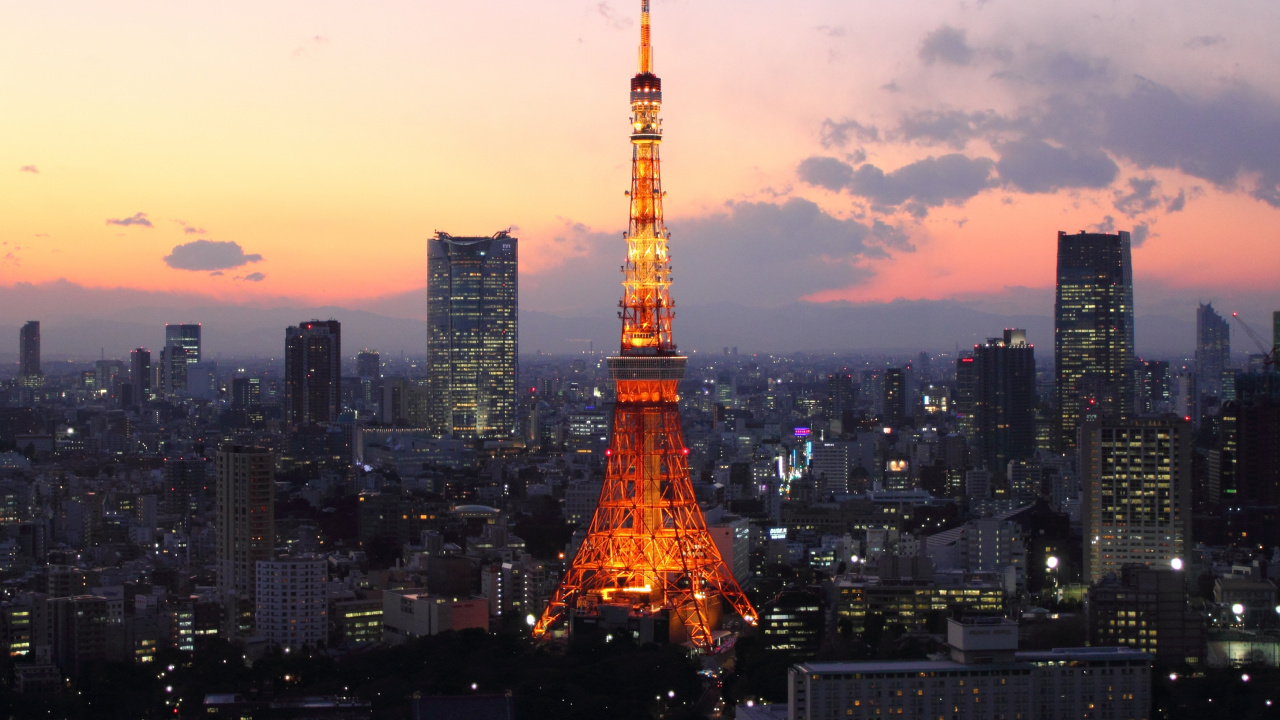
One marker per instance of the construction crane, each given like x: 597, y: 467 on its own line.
x: 1268, y: 355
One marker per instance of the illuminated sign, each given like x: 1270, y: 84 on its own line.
x: 778, y: 533
x: 803, y: 432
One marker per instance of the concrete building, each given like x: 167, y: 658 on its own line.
x: 313, y: 373
x: 1136, y: 484
x: 292, y: 603
x: 245, y: 525
x: 984, y: 678
x: 413, y: 613
x: 1146, y: 609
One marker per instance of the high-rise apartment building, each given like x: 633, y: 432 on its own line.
x: 29, y: 350
x: 1002, y: 400
x: 245, y: 478
x: 140, y: 374
x: 1136, y: 483
x: 313, y: 373
x: 1213, y: 349
x: 472, y: 328
x: 292, y: 603
x: 895, y: 398
x: 1093, y: 330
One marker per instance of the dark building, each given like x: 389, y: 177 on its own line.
x: 794, y: 621
x: 172, y: 377
x: 369, y: 365
x: 1146, y: 609
x: 312, y: 373
x: 72, y: 629
x: 245, y: 481
x: 1245, y: 467
x: 1213, y: 350
x: 1153, y: 387
x: 895, y: 397
x: 246, y: 392
x: 1001, y: 404
x: 29, y: 350
x: 185, y: 478
x: 472, y: 329
x: 1093, y: 330
x: 186, y: 336
x: 140, y: 374
x: 840, y: 398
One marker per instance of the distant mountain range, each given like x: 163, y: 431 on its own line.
x: 898, y: 327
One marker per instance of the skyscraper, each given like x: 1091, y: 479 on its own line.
x: 895, y: 398
x: 140, y: 374
x: 181, y: 351
x: 313, y: 373
x: 245, y: 527
x: 1002, y: 400
x: 472, y: 333
x: 29, y: 350
x: 1093, y: 330
x: 1213, y: 349
x: 648, y: 556
x: 369, y: 365
x: 1136, y: 504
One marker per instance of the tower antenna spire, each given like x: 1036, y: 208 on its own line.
x: 646, y: 50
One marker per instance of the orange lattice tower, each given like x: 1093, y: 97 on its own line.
x: 647, y: 549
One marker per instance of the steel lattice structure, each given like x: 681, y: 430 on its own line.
x: 647, y: 547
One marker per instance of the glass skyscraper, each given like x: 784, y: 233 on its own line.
x: 472, y: 335
x: 1093, y: 331
x: 313, y: 373
x: 1213, y: 349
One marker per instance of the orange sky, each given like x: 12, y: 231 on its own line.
x: 333, y: 138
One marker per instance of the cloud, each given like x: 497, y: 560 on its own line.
x: 946, y: 45
x: 135, y: 219
x: 939, y: 127
x: 1141, y: 197
x: 611, y: 16
x: 830, y: 30
x: 209, y: 255
x: 837, y: 134
x: 1200, y: 41
x: 1138, y: 235
x: 1108, y: 225
x: 1177, y: 204
x: 253, y: 277
x: 1035, y: 166
x: 190, y: 229
x: 931, y: 182
x: 29, y: 169
x: 827, y: 172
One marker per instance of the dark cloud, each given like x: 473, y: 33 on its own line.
x: 1107, y: 225
x: 831, y: 31
x: 1035, y: 166
x: 190, y: 229
x: 1141, y: 198
x: 923, y: 184
x: 837, y: 134
x: 135, y: 219
x: 1138, y: 235
x: 826, y: 172
x: 1177, y: 204
x: 891, y: 86
x: 611, y: 16
x: 946, y: 45
x: 254, y: 277
x: 945, y: 127
x: 209, y: 255
x: 29, y: 169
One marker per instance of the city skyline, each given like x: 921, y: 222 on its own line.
x: 900, y: 186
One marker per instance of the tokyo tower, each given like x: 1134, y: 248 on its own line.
x: 647, y: 550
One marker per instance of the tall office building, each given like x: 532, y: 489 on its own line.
x: 1093, y: 330
x: 1002, y: 400
x: 172, y: 375
x: 313, y: 373
x: 187, y: 337
x: 245, y: 478
x: 1154, y: 396
x: 1213, y: 349
x: 840, y: 398
x: 29, y: 350
x: 472, y: 328
x: 895, y: 398
x: 369, y: 365
x: 140, y: 374
x: 1136, y: 504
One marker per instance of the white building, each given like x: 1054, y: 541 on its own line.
x: 984, y: 678
x: 292, y: 602
x: 413, y: 613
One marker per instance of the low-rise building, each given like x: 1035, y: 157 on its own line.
x: 413, y: 613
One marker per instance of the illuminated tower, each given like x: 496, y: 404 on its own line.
x: 647, y: 550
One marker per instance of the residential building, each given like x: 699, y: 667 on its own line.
x: 1146, y: 609
x: 29, y: 350
x: 245, y: 525
x: 292, y: 602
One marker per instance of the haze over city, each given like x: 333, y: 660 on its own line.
x: 158, y: 159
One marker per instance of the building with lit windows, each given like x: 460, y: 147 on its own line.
x: 984, y: 678
x: 472, y: 334
x: 1093, y: 330
x: 1000, y: 399
x: 292, y: 605
x: 359, y: 622
x: 916, y: 604
x: 245, y: 525
x: 1146, y: 609
x: 313, y: 373
x: 1213, y: 349
x: 1135, y: 478
x: 794, y: 621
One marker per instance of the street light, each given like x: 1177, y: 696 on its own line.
x: 1052, y: 562
x: 1176, y: 563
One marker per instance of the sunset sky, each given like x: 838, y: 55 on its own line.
x: 262, y: 153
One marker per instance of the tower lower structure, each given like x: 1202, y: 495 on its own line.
x: 647, y: 552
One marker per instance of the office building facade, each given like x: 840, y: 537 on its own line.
x: 1213, y: 349
x: 472, y: 335
x: 313, y: 373
x: 1136, y: 486
x: 1093, y: 331
x: 245, y: 481
x: 1001, y: 402
x: 140, y: 374
x: 29, y: 350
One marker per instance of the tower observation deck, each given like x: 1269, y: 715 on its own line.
x: 647, y: 552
